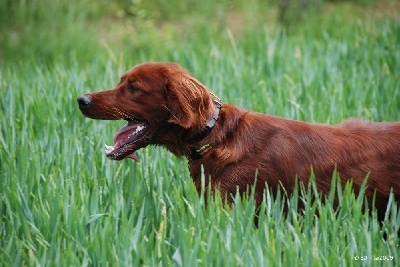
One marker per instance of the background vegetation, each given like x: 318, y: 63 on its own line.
x: 63, y: 203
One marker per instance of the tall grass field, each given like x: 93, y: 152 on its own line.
x: 63, y: 203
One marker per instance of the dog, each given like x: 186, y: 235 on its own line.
x: 165, y: 105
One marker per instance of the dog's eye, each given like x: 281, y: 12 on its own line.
x: 132, y: 87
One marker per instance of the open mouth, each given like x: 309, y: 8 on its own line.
x: 127, y: 140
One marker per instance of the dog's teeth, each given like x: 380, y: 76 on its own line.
x: 138, y: 129
x: 109, y: 149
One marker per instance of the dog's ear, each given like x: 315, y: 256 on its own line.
x: 189, y: 101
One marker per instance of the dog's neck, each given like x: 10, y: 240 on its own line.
x: 209, y: 124
x: 197, y: 153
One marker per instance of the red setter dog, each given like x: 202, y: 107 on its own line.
x: 164, y: 105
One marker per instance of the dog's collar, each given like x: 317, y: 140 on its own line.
x: 198, y: 153
x: 209, y: 125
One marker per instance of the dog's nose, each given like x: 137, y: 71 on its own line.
x: 84, y: 100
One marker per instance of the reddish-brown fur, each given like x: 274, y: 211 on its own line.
x: 176, y: 107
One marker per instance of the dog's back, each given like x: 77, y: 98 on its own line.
x: 279, y: 150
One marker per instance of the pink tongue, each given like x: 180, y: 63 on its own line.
x: 122, y: 135
x: 133, y: 156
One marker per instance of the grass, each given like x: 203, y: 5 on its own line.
x: 63, y: 203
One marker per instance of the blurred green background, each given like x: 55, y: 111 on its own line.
x: 85, y: 30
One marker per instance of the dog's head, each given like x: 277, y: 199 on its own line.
x: 152, y: 98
